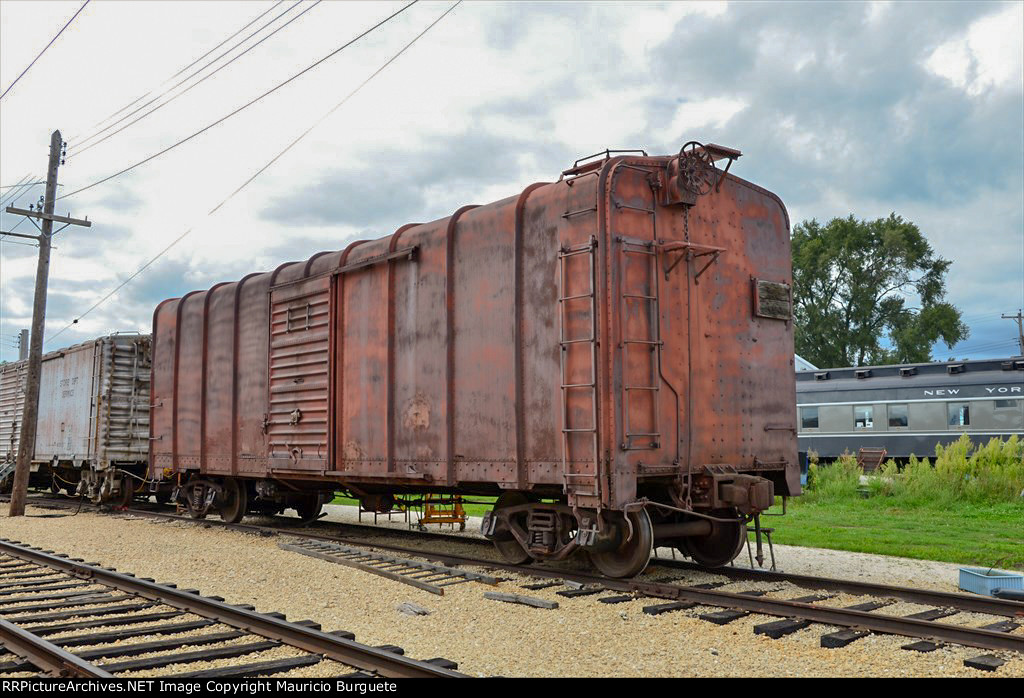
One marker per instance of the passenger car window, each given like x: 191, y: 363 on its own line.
x: 863, y: 417
x: 898, y: 416
x: 809, y: 417
x: 959, y: 414
x: 1005, y: 404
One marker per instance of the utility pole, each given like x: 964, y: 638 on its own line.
x: 1020, y: 328
x: 22, y: 345
x: 30, y: 412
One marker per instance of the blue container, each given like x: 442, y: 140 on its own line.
x: 983, y: 581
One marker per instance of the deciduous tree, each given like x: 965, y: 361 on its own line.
x: 869, y: 292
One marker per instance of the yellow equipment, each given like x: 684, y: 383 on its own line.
x: 442, y: 509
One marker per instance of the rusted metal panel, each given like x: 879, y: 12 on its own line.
x: 456, y: 352
x: 362, y: 384
x: 542, y: 402
x: 300, y: 343
x: 482, y: 415
x: 419, y: 359
x: 165, y: 337
x: 93, y: 406
x: 218, y: 385
x: 250, y: 370
x: 188, y: 387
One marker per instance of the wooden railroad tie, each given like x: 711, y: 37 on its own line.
x: 524, y: 600
x: 422, y: 575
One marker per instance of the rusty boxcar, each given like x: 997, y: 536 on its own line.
x: 611, y: 353
x: 92, y: 435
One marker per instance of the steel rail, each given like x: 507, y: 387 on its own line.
x: 963, y: 635
x: 46, y: 656
x: 848, y: 618
x: 963, y: 602
x: 844, y: 617
x: 339, y: 649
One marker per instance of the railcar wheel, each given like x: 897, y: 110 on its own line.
x: 308, y: 509
x: 507, y: 545
x: 124, y: 496
x: 631, y: 556
x: 235, y: 501
x: 721, y: 546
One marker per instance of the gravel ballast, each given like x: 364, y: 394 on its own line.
x: 583, y: 637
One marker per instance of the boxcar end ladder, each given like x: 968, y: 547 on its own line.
x: 651, y: 342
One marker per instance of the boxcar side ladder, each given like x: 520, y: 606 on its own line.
x: 584, y: 481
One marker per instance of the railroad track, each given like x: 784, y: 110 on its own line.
x: 856, y: 621
x: 67, y: 618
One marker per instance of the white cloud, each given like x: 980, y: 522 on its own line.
x: 645, y: 25
x: 987, y: 56
x: 876, y: 11
x: 604, y: 119
x: 695, y: 114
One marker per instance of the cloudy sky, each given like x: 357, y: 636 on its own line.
x: 839, y: 108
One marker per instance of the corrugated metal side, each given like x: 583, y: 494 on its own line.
x: 12, y: 400
x: 300, y: 343
x: 122, y: 401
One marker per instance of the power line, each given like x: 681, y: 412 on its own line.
x: 21, y: 183
x: 15, y: 242
x: 13, y: 229
x: 79, y: 142
x: 241, y: 108
x: 992, y: 346
x: 261, y: 170
x: 986, y: 343
x: 4, y: 235
x: 189, y: 77
x: 16, y: 196
x: 7, y: 197
x: 44, y: 50
x: 139, y: 99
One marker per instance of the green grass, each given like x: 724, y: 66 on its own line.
x: 965, y: 508
x: 972, y: 534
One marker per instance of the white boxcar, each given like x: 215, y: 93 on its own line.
x: 93, y: 430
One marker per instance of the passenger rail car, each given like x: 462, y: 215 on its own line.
x: 611, y: 353
x: 92, y: 435
x: 909, y: 409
